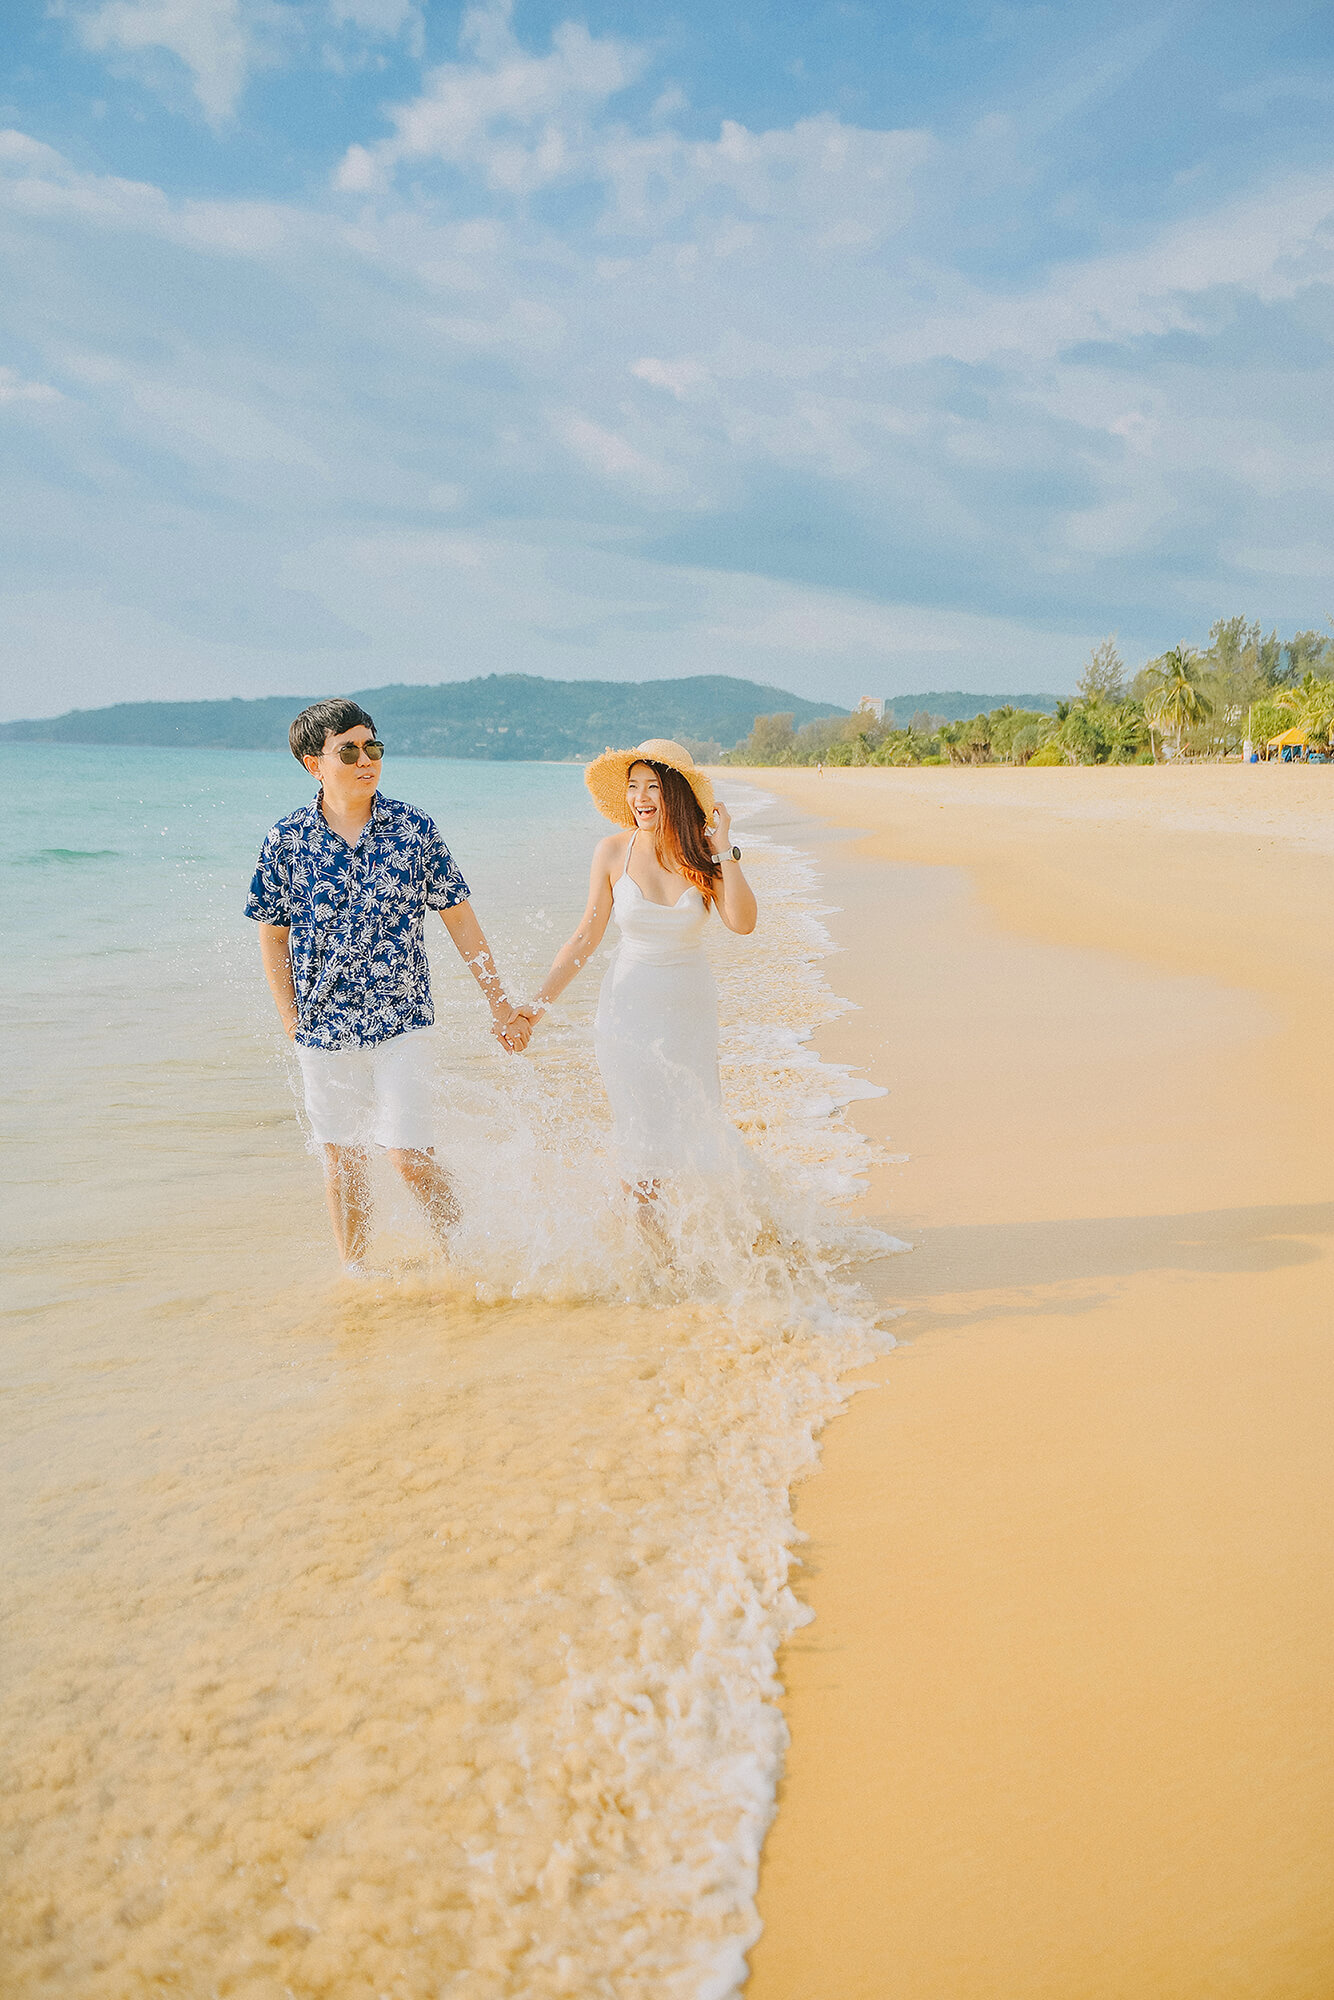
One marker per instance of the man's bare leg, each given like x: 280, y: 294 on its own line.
x: 432, y: 1187
x: 347, y: 1188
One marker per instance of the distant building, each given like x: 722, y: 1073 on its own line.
x: 872, y: 704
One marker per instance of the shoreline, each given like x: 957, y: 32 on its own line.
x: 1058, y: 1726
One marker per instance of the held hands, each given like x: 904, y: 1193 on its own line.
x: 512, y: 1028
x: 516, y: 1031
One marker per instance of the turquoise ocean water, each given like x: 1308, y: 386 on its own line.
x: 143, y: 1034
x: 412, y: 1638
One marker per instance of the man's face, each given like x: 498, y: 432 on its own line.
x: 344, y: 782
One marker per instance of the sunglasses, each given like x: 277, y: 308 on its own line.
x: 350, y: 753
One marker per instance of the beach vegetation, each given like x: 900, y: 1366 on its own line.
x: 1257, y: 686
x: 1027, y: 741
x: 1266, y: 719
x: 1101, y: 726
x: 1309, y: 652
x: 907, y: 746
x: 1104, y: 677
x: 1175, y: 698
x: 1187, y: 703
x: 770, y: 741
x: 1237, y: 647
x: 1003, y: 735
x: 1312, y: 709
x: 1081, y: 736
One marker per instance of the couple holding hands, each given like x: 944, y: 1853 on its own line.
x: 340, y: 895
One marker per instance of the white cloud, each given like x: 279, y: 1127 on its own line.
x: 515, y: 118
x: 521, y: 122
x: 1123, y: 524
x: 38, y: 182
x: 487, y: 30
x: 1273, y: 243
x: 613, y: 457
x: 13, y: 389
x: 220, y: 43
x: 1305, y: 559
x: 820, y: 181
x: 385, y: 19
x: 214, y: 39
x: 196, y: 421
x: 18, y: 150
x: 677, y: 378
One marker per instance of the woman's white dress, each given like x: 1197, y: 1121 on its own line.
x: 656, y: 1037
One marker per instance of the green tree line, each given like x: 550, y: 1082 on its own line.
x: 1189, y: 702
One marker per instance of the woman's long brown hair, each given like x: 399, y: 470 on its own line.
x: 681, y: 825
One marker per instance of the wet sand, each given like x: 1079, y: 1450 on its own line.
x: 1061, y: 1726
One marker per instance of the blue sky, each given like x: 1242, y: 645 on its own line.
x: 854, y: 348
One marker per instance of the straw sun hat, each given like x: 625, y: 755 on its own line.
x: 607, y: 775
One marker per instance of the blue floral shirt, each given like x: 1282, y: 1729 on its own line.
x: 357, y: 917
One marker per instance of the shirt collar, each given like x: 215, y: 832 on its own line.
x: 316, y: 820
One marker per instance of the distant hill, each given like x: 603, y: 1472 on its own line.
x: 502, y: 716
x: 956, y: 707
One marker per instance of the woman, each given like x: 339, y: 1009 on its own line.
x: 656, y: 1032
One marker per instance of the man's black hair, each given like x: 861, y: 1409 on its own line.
x: 333, y: 716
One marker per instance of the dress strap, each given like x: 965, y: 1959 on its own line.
x: 625, y: 865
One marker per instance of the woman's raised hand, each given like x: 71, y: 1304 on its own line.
x: 721, y: 831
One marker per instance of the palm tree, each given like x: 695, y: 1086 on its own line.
x: 1125, y: 734
x: 952, y: 742
x: 1176, y: 700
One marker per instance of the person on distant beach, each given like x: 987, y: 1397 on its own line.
x: 340, y: 896
x: 656, y: 1032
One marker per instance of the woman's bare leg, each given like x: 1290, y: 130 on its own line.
x: 433, y: 1188
x: 646, y: 1196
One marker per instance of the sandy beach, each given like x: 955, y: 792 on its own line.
x: 1061, y: 1724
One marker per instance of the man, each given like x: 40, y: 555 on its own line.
x: 340, y: 896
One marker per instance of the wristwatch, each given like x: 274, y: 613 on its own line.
x: 728, y: 854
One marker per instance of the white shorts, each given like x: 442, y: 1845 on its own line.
x: 381, y: 1096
